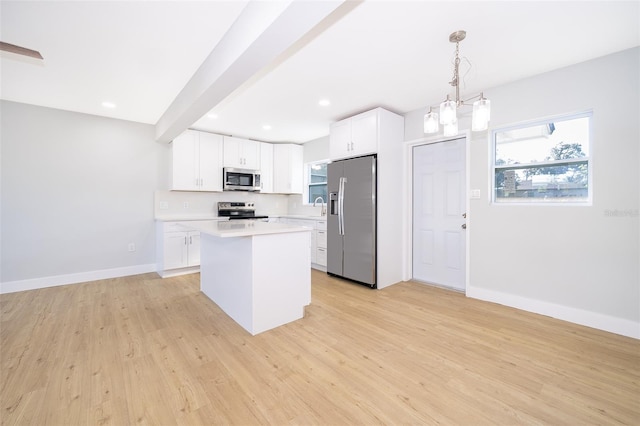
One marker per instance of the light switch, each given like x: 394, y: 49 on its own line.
x: 164, y: 205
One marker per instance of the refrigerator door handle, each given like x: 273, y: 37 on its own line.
x: 343, y: 180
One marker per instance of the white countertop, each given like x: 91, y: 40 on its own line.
x: 242, y: 228
x: 183, y: 217
x: 300, y: 216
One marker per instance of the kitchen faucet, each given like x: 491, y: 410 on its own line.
x: 323, y: 211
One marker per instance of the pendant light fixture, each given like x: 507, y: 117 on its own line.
x: 448, y: 117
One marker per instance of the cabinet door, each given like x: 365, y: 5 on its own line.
x: 321, y: 256
x: 250, y: 151
x: 175, y: 250
x: 364, y: 133
x: 340, y: 139
x: 184, y: 153
x: 266, y: 168
x: 232, y: 157
x: 287, y: 169
x: 321, y: 238
x: 193, y: 248
x: 296, y: 168
x: 241, y: 153
x: 210, y: 164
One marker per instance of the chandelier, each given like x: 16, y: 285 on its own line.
x: 448, y: 108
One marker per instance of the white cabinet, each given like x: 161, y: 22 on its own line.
x: 287, y: 169
x: 266, y: 168
x: 182, y: 249
x: 177, y: 251
x: 355, y: 136
x: 241, y: 153
x: 321, y: 243
x: 196, y: 162
x: 318, y: 247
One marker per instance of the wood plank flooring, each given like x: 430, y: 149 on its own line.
x: 145, y: 350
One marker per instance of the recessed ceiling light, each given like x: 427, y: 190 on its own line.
x: 324, y: 102
x: 212, y: 116
x: 107, y: 104
x: 266, y: 127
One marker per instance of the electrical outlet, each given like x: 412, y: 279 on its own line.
x: 475, y: 194
x: 164, y: 205
x: 185, y: 205
x: 132, y: 246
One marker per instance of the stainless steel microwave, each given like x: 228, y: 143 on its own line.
x: 241, y: 179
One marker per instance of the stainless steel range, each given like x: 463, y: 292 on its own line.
x: 236, y: 210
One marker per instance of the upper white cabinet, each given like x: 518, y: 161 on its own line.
x: 357, y: 135
x: 287, y: 169
x: 196, y: 162
x: 241, y: 153
x: 266, y: 168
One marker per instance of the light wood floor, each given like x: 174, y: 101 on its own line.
x: 145, y: 350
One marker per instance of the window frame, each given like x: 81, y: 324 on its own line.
x: 588, y: 159
x: 307, y: 183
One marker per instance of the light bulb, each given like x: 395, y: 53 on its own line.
x: 481, y: 114
x: 431, y: 122
x: 447, y: 112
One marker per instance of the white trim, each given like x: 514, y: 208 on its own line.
x: 179, y: 271
x: 80, y: 277
x: 577, y: 316
x: 305, y: 189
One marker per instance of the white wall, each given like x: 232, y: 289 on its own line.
x: 76, y: 190
x: 577, y: 263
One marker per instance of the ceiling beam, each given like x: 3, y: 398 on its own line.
x: 260, y: 37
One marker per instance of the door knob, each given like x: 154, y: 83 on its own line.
x: 464, y: 226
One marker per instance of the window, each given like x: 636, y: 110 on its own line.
x: 316, y: 181
x: 547, y: 162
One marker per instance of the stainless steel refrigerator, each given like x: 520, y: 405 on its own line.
x: 351, y: 222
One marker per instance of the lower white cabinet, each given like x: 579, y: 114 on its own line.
x: 321, y: 243
x: 318, y: 246
x: 177, y: 251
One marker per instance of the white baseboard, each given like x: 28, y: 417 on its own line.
x: 180, y: 271
x: 577, y: 316
x: 80, y: 277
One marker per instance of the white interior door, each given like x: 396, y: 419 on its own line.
x: 439, y: 212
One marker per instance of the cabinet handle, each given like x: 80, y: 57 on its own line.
x: 190, y: 241
x: 185, y: 240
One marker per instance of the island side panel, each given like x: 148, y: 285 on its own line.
x: 226, y: 276
x: 282, y: 278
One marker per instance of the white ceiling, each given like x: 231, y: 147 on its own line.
x: 395, y: 54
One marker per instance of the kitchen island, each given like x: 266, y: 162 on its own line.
x: 256, y: 272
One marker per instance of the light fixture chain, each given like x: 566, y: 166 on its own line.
x: 456, y: 74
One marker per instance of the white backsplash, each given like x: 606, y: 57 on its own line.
x: 206, y: 203
x: 296, y: 207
